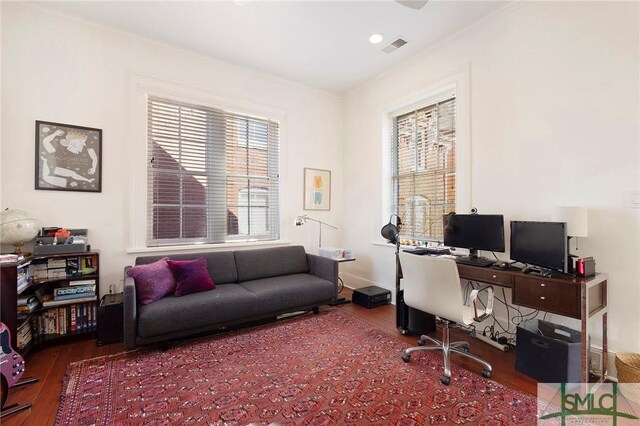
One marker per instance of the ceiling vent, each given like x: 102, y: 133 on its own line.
x: 395, y: 45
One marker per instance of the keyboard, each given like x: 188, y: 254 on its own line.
x: 428, y: 250
x: 475, y: 262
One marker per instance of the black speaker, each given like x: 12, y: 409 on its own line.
x: 110, y: 319
x: 412, y: 321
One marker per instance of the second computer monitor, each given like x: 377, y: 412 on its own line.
x: 474, y: 232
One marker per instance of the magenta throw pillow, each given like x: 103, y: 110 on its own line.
x: 153, y: 281
x: 191, y: 276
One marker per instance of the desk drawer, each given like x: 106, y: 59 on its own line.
x: 485, y: 275
x: 547, y: 295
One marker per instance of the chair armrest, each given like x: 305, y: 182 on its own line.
x: 130, y: 309
x: 325, y: 268
x: 488, y: 309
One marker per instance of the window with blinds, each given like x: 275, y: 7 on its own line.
x: 212, y: 175
x: 424, y: 169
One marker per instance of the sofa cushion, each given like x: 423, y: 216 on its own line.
x: 153, y: 281
x: 270, y: 262
x: 291, y: 291
x: 191, y: 276
x: 221, y: 265
x: 174, y: 314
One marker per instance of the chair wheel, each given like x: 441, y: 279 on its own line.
x: 406, y: 357
x: 421, y: 342
x: 445, y: 380
x: 486, y: 373
x: 403, y: 331
x: 464, y: 349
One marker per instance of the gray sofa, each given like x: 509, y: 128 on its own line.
x: 251, y: 285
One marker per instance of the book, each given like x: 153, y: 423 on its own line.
x: 75, y: 296
x: 82, y: 282
x: 50, y: 303
x: 73, y: 315
x: 62, y: 291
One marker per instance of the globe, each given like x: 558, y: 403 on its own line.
x: 17, y: 227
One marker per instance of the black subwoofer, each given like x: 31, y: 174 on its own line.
x: 110, y: 319
x: 412, y: 321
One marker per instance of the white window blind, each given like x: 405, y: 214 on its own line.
x: 423, y: 153
x: 212, y: 175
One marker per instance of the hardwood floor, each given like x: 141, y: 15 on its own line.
x: 49, y: 365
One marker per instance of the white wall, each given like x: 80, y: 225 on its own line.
x: 61, y: 69
x: 554, y: 121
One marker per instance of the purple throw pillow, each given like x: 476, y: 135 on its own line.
x: 153, y: 281
x: 191, y: 276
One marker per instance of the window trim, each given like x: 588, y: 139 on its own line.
x: 456, y: 82
x: 143, y: 86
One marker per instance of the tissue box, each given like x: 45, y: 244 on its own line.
x: 335, y: 253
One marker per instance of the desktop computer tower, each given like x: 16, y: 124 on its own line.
x: 412, y: 321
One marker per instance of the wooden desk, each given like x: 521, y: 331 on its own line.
x: 574, y: 297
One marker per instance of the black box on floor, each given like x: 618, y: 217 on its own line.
x: 548, y: 352
x: 110, y: 319
x: 412, y: 321
x: 371, y: 297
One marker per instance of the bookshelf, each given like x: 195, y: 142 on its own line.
x: 49, y: 297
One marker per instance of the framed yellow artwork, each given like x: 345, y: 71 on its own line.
x: 317, y: 189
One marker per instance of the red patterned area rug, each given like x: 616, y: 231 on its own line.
x: 322, y: 369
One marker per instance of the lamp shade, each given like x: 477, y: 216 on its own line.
x: 576, y: 219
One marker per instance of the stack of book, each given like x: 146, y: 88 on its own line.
x: 22, y: 278
x: 56, y: 268
x: 10, y: 258
x: 24, y: 335
x: 38, y: 270
x: 27, y: 304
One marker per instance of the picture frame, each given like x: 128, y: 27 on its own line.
x: 68, y: 157
x: 317, y: 189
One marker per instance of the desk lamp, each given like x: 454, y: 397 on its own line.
x: 576, y: 219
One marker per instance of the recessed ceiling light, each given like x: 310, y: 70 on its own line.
x: 376, y: 38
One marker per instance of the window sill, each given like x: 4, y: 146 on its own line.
x: 382, y: 243
x: 208, y: 247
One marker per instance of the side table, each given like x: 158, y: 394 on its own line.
x: 342, y: 300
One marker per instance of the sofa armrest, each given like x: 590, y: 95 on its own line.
x: 130, y: 309
x: 325, y: 268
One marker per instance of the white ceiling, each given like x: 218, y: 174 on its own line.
x: 322, y: 44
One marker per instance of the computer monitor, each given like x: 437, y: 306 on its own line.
x: 542, y: 244
x: 474, y: 232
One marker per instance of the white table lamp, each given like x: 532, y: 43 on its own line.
x: 576, y: 219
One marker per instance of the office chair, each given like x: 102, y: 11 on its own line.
x: 432, y: 284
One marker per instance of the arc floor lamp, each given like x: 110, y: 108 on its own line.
x: 301, y: 220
